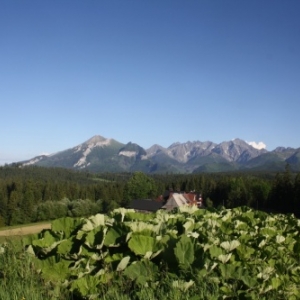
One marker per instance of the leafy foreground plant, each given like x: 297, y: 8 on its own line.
x: 190, y: 254
x: 19, y: 279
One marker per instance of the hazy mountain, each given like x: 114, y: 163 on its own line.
x: 237, y: 151
x: 100, y: 154
x: 294, y: 160
x: 275, y: 160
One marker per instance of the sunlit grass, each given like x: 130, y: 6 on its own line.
x: 18, y: 277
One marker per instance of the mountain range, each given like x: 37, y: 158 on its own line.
x: 99, y: 154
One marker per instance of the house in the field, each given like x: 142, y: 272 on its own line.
x: 194, y: 198
x: 175, y: 200
x: 168, y: 201
x: 179, y: 199
x: 146, y: 205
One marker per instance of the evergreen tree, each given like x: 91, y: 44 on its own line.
x: 297, y: 195
x: 140, y: 186
x: 13, y: 210
x: 237, y: 193
x: 26, y: 206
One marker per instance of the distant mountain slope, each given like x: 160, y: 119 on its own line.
x: 99, y: 154
x: 95, y: 154
x: 237, y: 151
x: 274, y: 161
x: 294, y: 160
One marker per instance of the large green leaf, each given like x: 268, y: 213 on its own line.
x: 189, y: 224
x: 230, y: 245
x: 268, y: 231
x: 248, y: 280
x: 226, y: 227
x: 227, y: 271
x: 182, y: 285
x: 141, y: 244
x: 123, y: 263
x: 48, y: 239
x: 280, y: 239
x: 115, y: 235
x: 224, y: 258
x: 119, y: 213
x: 244, y: 252
x: 142, y: 271
x: 168, y: 243
x: 65, y: 226
x: 95, y: 238
x: 140, y: 226
x: 116, y: 257
x: 266, y: 273
x: 65, y: 247
x: 276, y: 282
x: 85, y: 286
x: 215, y: 251
x: 184, y: 251
x: 54, y: 270
x: 94, y: 222
x: 190, y: 209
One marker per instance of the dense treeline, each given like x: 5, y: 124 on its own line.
x: 33, y: 194
x: 264, y: 191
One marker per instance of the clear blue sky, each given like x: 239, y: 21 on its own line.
x: 148, y: 72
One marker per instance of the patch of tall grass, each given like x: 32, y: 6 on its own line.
x: 19, y: 280
x: 121, y: 288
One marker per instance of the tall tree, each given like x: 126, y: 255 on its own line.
x: 281, y: 195
x: 140, y: 186
x: 297, y: 194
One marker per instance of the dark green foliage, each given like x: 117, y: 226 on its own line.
x: 297, y: 192
x: 33, y: 193
x: 140, y: 186
x: 283, y: 195
x: 186, y: 251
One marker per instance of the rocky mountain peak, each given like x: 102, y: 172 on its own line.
x: 96, y: 139
x: 108, y: 155
x: 155, y: 149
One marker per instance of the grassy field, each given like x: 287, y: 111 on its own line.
x: 19, y: 280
